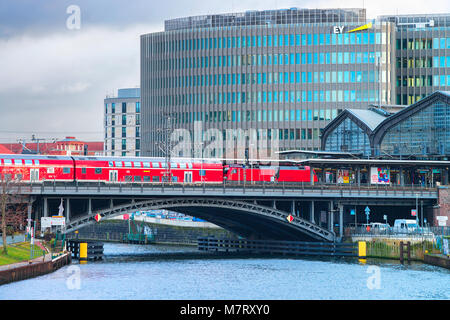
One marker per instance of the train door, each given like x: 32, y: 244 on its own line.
x: 113, y: 176
x: 34, y: 175
x: 188, y: 176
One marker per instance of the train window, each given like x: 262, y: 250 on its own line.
x: 202, y: 173
x: 127, y: 164
x: 155, y: 179
x: 137, y: 164
x: 174, y: 179
x: 83, y: 170
x: 19, y: 176
x: 146, y: 179
x: 183, y: 165
x: 66, y: 170
x: 163, y: 165
x: 190, y: 165
x: 111, y: 163
x: 28, y: 162
x: 118, y: 163
x: 8, y: 162
x: 173, y: 165
x: 128, y: 178
x: 36, y: 162
x: 146, y: 164
x: 233, y: 171
x: 50, y: 170
x: 98, y: 170
x: 137, y: 179
x: 18, y: 162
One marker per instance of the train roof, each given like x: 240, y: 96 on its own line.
x: 33, y: 156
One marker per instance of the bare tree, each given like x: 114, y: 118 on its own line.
x: 11, y: 200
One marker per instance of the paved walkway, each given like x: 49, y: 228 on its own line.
x: 48, y: 257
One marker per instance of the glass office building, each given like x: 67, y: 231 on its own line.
x: 284, y: 73
x: 422, y: 59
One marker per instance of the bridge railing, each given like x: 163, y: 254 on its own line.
x: 227, y: 185
x: 300, y: 248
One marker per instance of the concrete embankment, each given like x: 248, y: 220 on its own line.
x: 26, y: 270
x: 438, y: 260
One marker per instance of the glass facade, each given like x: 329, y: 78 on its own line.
x: 348, y: 137
x: 422, y: 44
x: 425, y: 133
x: 284, y: 73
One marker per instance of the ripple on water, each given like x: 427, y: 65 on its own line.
x: 171, y: 272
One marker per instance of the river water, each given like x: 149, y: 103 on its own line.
x: 157, y: 272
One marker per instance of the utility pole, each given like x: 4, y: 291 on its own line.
x: 164, y: 143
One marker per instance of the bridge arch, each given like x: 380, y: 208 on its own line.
x: 246, y: 219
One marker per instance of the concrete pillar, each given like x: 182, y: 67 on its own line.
x: 30, y: 207
x: 274, y: 205
x: 293, y: 208
x: 89, y: 206
x: 331, y: 214
x: 311, y: 211
x: 45, y: 207
x: 358, y: 176
x: 341, y: 220
x: 311, y: 176
x: 111, y: 204
x: 68, y: 210
x: 444, y: 176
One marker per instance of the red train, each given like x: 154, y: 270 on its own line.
x: 36, y: 169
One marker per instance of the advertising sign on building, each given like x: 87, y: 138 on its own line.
x: 379, y: 176
x: 343, y: 176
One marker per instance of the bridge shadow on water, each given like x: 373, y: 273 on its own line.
x: 182, y: 253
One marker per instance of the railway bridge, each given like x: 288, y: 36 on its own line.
x: 254, y: 211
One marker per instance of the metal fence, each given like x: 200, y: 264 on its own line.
x: 13, y: 239
x: 425, y: 232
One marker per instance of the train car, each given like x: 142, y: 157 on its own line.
x: 146, y: 170
x: 258, y: 173
x: 36, y: 169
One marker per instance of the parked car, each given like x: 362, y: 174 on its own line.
x: 405, y: 226
x: 378, y: 226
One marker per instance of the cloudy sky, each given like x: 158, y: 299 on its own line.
x: 54, y: 77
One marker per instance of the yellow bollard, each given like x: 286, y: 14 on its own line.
x: 83, y: 251
x: 362, y: 249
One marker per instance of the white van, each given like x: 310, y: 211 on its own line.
x: 405, y: 225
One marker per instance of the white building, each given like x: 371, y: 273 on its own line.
x: 123, y: 123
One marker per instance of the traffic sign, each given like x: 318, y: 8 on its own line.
x: 413, y: 212
x: 290, y: 218
x: 98, y: 217
x: 352, y: 212
x: 367, y: 211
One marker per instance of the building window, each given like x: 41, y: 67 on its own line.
x: 124, y: 107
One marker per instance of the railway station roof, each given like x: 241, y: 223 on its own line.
x: 374, y: 162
